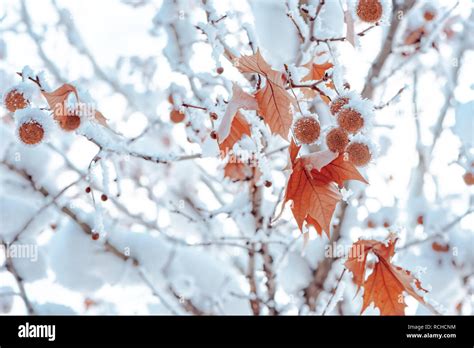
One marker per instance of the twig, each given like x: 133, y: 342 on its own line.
x: 334, y: 291
x: 298, y: 29
x: 19, y: 280
x: 87, y: 229
x: 391, y: 100
x: 443, y: 230
x: 379, y: 62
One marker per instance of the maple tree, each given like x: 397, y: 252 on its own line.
x: 233, y: 152
x: 311, y: 186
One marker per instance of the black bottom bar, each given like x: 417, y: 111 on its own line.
x: 244, y: 331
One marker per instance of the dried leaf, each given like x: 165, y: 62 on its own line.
x: 253, y: 64
x: 274, y: 105
x: 387, y: 282
x: 385, y: 287
x: 57, y: 102
x: 310, y: 221
x: 240, y: 100
x: 340, y: 171
x: 274, y: 102
x: 317, y: 72
x: 238, y: 129
x: 318, y: 160
x: 356, y: 262
x: 57, y: 99
x: 293, y: 152
x: 313, y: 195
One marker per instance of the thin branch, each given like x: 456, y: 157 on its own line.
x: 19, y: 280
x: 443, y: 230
x: 391, y: 100
x: 386, y: 50
x: 334, y: 291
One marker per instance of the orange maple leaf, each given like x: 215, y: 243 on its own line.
x: 318, y: 160
x: 313, y: 195
x: 357, y: 260
x: 233, y: 125
x: 341, y: 170
x: 310, y: 221
x: 311, y: 186
x: 317, y: 72
x: 387, y: 282
x: 293, y: 151
x: 238, y: 129
x: 274, y: 102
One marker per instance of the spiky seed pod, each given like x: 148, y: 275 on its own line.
x: 33, y: 126
x: 337, y: 104
x: 307, y: 130
x: 369, y: 10
x: 31, y: 132
x: 337, y: 140
x: 15, y: 100
x: 359, y: 154
x: 350, y: 120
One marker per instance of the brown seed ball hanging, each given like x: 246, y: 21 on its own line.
x: 15, y: 100
x: 350, y: 120
x: 176, y: 116
x: 31, y: 132
x: 307, y: 130
x: 359, y: 154
x: 337, y: 104
x: 429, y: 15
x: 69, y: 122
x: 469, y: 178
x: 337, y: 140
x: 369, y: 10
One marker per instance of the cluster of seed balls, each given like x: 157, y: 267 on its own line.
x: 32, y: 131
x: 307, y: 130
